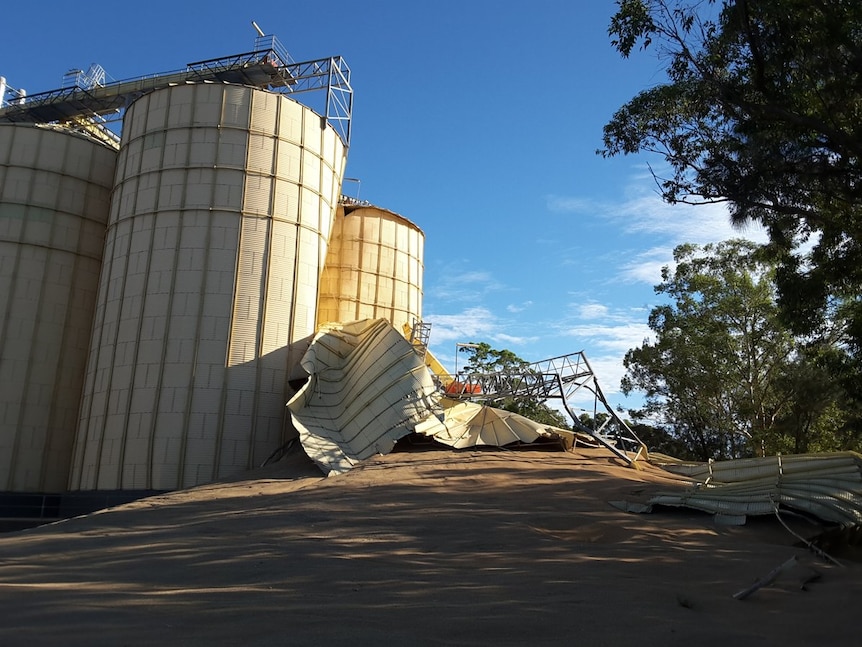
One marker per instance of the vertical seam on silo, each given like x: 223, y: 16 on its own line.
x: 378, y: 271
x: 360, y: 264
x: 121, y: 466
x: 297, y: 246
x: 136, y: 354
x: 94, y: 349
x: 263, y: 293
x: 67, y: 328
x: 230, y: 334
x: 113, y: 352
x: 169, y: 315
x: 227, y: 350
x: 199, y: 321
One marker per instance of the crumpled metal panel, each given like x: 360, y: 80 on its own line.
x: 468, y: 424
x: 828, y: 486
x: 367, y: 388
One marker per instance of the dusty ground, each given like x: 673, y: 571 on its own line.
x: 426, y: 548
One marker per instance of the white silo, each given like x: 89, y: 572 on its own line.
x: 374, y: 268
x: 218, y: 232
x: 55, y: 188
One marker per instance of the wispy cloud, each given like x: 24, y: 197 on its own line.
x: 515, y: 308
x: 615, y: 338
x: 456, y: 285
x: 472, y: 324
x: 641, y: 212
x: 592, y: 311
x: 646, y: 266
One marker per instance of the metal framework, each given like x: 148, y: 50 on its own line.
x: 86, y: 96
x: 558, y: 378
x: 420, y: 332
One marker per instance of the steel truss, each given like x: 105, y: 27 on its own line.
x: 268, y: 66
x: 558, y: 378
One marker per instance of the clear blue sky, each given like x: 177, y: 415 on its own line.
x: 476, y: 119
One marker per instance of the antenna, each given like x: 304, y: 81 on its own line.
x: 258, y: 29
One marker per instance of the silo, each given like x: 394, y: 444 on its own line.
x: 55, y: 188
x: 218, y: 231
x: 374, y: 268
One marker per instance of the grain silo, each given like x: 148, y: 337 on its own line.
x: 219, y: 223
x: 55, y: 187
x: 374, y: 268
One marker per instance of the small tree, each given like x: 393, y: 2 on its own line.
x: 483, y: 359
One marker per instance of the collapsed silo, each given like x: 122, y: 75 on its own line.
x: 217, y: 236
x: 55, y: 187
x: 374, y: 268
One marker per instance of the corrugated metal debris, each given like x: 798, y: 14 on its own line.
x: 367, y: 388
x: 468, y: 424
x: 826, y: 486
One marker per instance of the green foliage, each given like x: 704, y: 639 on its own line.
x: 483, y: 359
x: 763, y: 111
x: 724, y: 376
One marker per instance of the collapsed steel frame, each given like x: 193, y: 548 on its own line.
x: 88, y: 106
x: 558, y: 378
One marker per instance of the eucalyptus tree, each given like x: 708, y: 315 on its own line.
x: 716, y: 371
x: 762, y: 110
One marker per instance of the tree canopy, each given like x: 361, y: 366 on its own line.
x: 724, y: 375
x: 762, y: 110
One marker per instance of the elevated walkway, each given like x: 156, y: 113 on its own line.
x: 268, y: 66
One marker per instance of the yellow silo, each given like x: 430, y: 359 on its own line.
x: 374, y: 268
x: 218, y: 232
x: 55, y: 188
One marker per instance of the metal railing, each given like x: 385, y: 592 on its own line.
x: 269, y: 66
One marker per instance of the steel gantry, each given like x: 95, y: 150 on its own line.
x: 560, y: 378
x: 86, y: 102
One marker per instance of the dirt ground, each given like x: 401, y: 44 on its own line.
x: 419, y: 548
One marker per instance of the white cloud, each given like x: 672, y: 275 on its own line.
x: 647, y: 213
x: 592, y: 311
x: 605, y: 345
x: 646, y: 266
x: 456, y: 285
x: 472, y: 324
x: 643, y: 213
x: 511, y: 339
x: 614, y: 338
x: 516, y: 308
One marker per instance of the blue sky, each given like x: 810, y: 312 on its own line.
x: 478, y: 120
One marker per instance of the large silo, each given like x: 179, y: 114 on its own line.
x: 218, y: 232
x: 374, y: 268
x: 55, y: 188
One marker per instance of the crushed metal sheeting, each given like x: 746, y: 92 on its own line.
x: 468, y: 424
x: 367, y: 388
x: 827, y: 486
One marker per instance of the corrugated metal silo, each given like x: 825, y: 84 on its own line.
x: 55, y: 189
x: 219, y: 226
x: 374, y: 268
